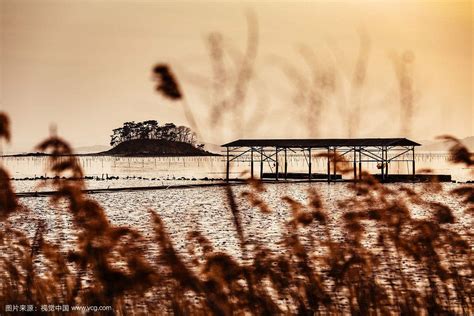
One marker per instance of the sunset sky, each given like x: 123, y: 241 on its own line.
x: 85, y: 65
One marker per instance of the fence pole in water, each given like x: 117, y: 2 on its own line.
x: 329, y: 167
x: 286, y: 166
x: 413, y: 162
x: 251, y: 162
x: 227, y: 167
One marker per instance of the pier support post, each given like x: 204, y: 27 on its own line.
x: 286, y: 165
x: 309, y: 164
x: 227, y: 167
x: 251, y: 162
x: 261, y: 163
x: 354, y: 166
x: 382, y: 166
x: 360, y: 164
x: 329, y: 166
x: 276, y: 163
x: 335, y: 162
x: 413, y: 162
x: 386, y: 163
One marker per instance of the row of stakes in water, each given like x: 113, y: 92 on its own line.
x: 106, y: 177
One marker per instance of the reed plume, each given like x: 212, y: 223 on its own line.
x: 168, y: 86
x: 385, y: 261
x: 4, y: 126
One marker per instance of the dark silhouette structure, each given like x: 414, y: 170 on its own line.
x: 152, y: 130
x: 382, y: 151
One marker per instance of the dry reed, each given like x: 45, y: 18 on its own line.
x: 345, y: 277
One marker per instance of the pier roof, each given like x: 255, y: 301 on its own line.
x: 322, y: 142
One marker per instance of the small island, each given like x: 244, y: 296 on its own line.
x: 148, y: 138
x: 145, y: 139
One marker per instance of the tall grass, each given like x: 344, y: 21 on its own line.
x: 415, y: 266
x: 404, y: 65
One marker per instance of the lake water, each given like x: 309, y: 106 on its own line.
x: 207, y: 210
x: 213, y: 167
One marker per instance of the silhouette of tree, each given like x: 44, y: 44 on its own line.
x: 152, y: 126
x: 150, y: 129
x: 127, y: 130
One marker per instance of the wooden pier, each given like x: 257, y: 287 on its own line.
x: 381, y: 151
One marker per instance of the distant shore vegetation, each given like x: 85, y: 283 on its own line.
x: 151, y: 129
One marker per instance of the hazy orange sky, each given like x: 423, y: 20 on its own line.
x: 85, y: 65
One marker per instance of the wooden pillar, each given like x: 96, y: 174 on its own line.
x: 382, y: 167
x: 227, y: 167
x: 251, y: 162
x: 261, y: 163
x: 335, y: 162
x: 309, y: 164
x: 276, y: 163
x: 386, y: 163
x: 286, y: 165
x: 354, y: 165
x: 360, y: 163
x: 329, y: 166
x: 413, y: 162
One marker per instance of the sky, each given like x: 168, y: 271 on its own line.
x: 84, y: 66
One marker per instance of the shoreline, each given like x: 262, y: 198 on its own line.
x: 107, y: 155
x: 211, y: 183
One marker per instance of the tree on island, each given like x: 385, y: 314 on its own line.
x: 152, y: 130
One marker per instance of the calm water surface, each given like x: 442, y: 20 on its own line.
x: 213, y: 167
